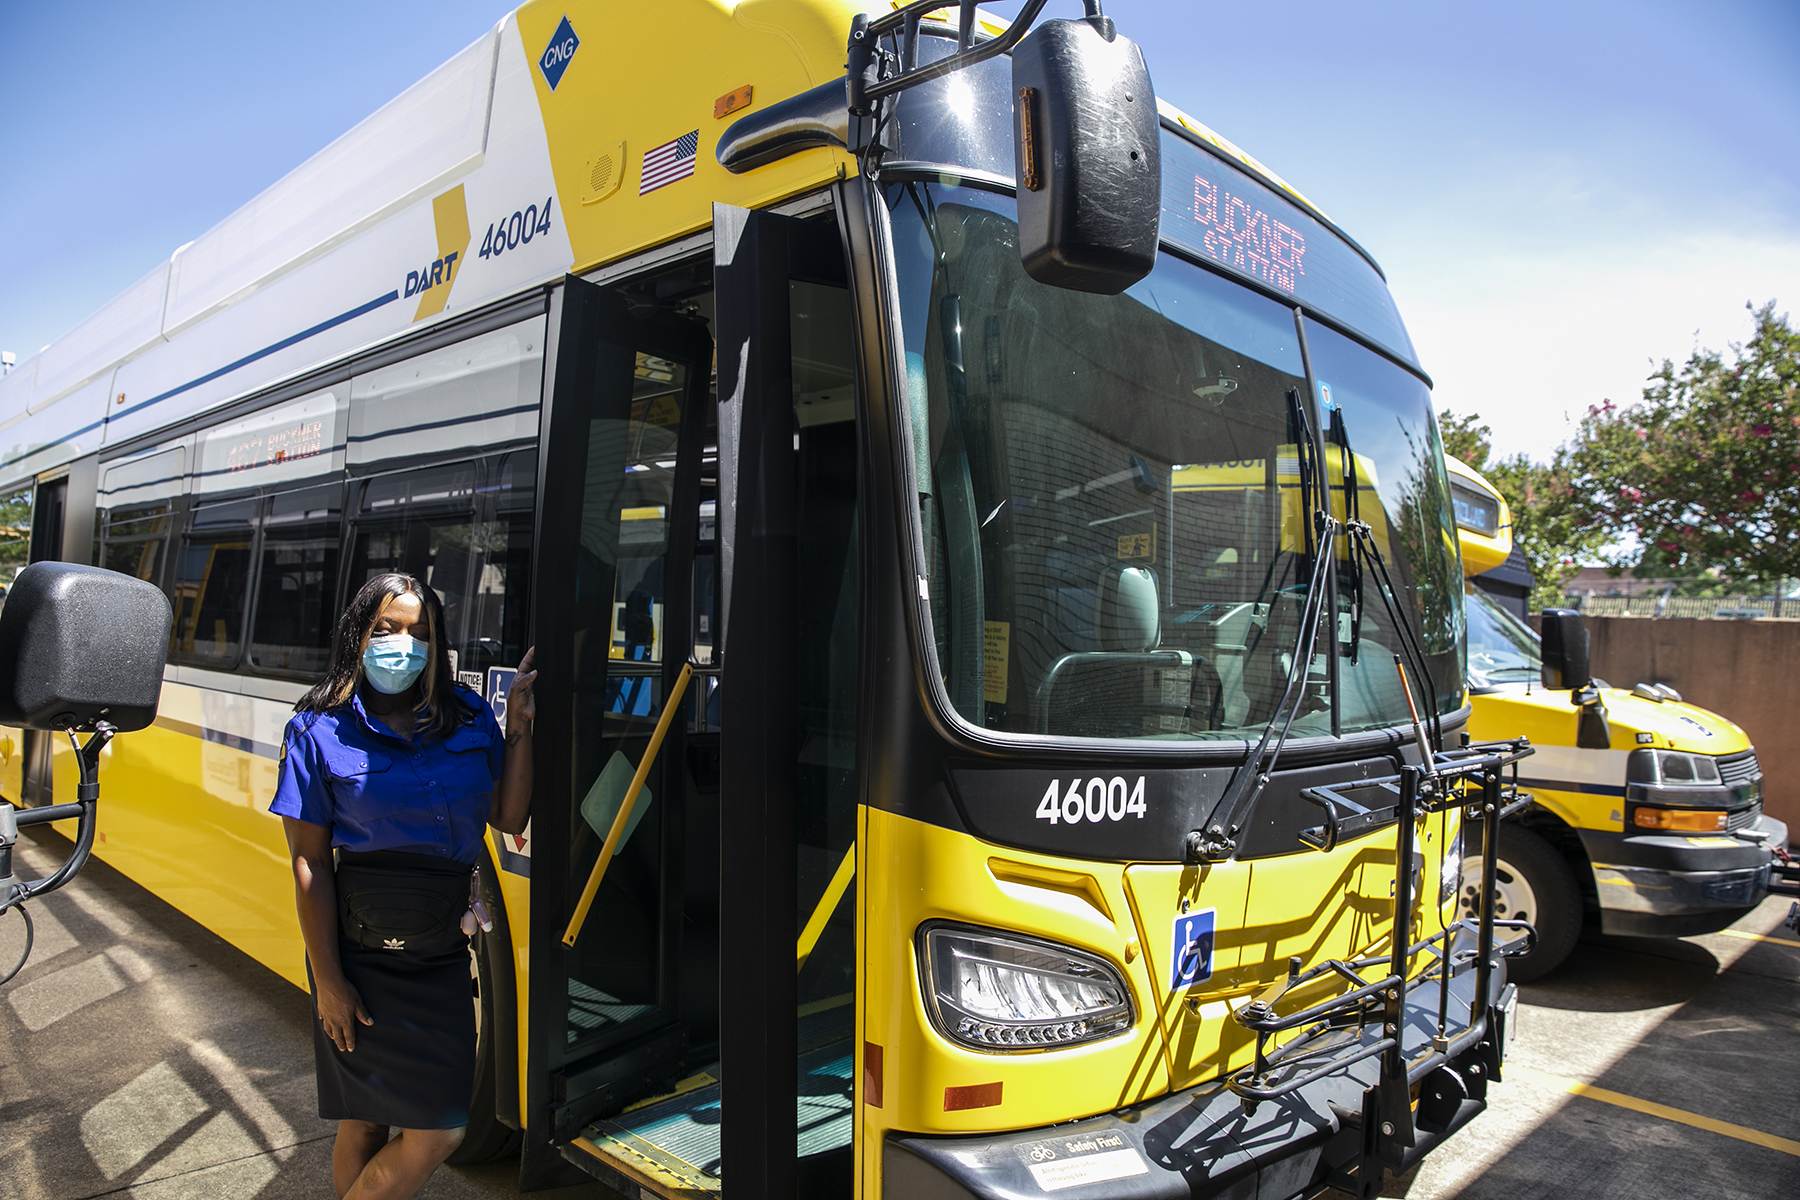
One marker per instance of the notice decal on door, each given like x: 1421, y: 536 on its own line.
x: 1191, y: 948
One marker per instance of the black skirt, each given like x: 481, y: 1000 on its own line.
x: 414, y: 1068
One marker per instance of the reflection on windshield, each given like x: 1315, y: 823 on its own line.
x: 1110, y: 493
x: 1502, y: 648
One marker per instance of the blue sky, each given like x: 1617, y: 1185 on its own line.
x: 1560, y: 193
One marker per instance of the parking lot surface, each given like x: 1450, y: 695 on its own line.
x: 142, y: 1056
x: 1644, y: 1068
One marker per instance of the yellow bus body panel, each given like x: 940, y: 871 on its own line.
x: 187, y: 819
x: 919, y: 872
x: 644, y: 94
x: 1313, y: 905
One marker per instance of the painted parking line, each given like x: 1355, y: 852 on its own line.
x: 1760, y: 937
x: 1575, y: 1087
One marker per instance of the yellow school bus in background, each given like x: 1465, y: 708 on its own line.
x: 1646, y: 816
x: 994, y: 736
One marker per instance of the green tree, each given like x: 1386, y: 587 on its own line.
x: 1702, y: 474
x: 1466, y: 438
x: 15, y: 534
x: 1551, y: 526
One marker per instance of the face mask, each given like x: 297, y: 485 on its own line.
x: 393, y: 661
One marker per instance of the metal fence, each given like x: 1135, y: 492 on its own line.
x: 1739, y: 608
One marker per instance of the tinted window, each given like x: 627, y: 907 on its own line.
x: 454, y: 400
x: 1382, y: 414
x: 296, y: 587
x: 291, y: 443
x: 212, y: 583
x: 137, y: 504
x: 1118, y: 540
x: 465, y: 529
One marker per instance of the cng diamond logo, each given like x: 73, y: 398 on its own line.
x: 555, y: 58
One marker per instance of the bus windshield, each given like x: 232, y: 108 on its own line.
x: 1502, y: 648
x: 1109, y: 492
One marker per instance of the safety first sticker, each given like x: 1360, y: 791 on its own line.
x: 1191, y: 948
x: 1066, y: 1162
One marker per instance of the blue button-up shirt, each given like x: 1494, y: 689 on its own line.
x: 379, y: 791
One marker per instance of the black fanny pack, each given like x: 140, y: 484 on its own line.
x: 392, y: 900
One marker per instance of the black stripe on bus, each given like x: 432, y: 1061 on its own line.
x: 1570, y: 785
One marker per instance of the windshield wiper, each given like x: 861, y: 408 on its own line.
x: 1217, y: 841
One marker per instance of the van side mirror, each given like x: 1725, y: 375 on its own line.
x: 80, y: 644
x: 1086, y: 148
x: 1565, y: 650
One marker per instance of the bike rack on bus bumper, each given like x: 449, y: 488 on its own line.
x: 1370, y: 1019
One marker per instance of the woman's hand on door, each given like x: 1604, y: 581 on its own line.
x: 521, y: 698
x: 512, y: 800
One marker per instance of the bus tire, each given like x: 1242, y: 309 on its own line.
x: 1534, y: 884
x: 487, y: 1137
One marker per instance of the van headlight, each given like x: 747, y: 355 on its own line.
x: 1005, y: 991
x: 1450, y: 870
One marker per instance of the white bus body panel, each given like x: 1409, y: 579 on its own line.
x: 314, y: 269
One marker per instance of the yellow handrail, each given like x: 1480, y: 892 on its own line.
x: 834, y: 894
x: 631, y: 794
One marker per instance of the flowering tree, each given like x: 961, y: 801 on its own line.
x: 1705, y: 472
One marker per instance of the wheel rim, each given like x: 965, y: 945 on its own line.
x: 1513, y: 898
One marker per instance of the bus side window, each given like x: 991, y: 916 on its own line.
x: 465, y: 530
x: 136, y: 513
x: 212, y: 584
x: 296, y: 586
x: 462, y: 527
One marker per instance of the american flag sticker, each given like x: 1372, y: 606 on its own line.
x: 669, y: 162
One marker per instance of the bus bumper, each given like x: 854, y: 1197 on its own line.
x: 1208, y: 1142
x: 1669, y: 885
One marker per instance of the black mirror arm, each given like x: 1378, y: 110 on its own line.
x: 864, y: 90
x: 87, y: 795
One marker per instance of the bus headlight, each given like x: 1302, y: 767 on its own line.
x: 1450, y: 870
x: 1005, y: 991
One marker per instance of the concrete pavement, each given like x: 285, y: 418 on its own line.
x: 142, y: 1056
x: 1708, y: 1027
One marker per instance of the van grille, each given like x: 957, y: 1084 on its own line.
x: 1744, y: 817
x: 1739, y: 769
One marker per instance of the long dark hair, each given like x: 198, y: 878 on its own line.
x: 438, y: 702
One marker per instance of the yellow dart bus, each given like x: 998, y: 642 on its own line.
x: 964, y: 769
x: 1646, y: 812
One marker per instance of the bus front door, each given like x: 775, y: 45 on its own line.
x: 700, y: 1025
x: 621, y: 450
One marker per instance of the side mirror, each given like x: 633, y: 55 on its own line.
x: 79, y: 644
x: 1086, y: 148
x: 1565, y: 650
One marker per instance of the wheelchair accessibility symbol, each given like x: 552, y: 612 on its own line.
x: 1191, y: 948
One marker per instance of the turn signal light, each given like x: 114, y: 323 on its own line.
x: 1691, y: 820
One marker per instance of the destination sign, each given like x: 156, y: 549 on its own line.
x: 1223, y: 216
